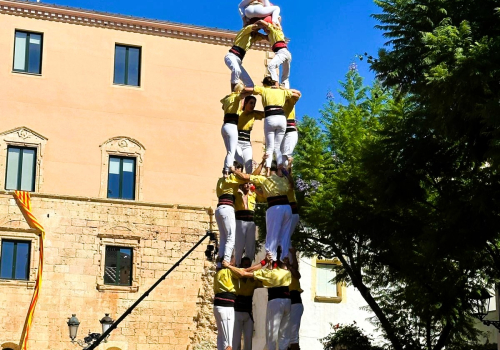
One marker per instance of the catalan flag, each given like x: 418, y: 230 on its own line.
x: 24, y: 202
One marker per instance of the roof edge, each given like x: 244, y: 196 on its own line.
x: 122, y: 22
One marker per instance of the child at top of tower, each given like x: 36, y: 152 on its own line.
x: 259, y: 9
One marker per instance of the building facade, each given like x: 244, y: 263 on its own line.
x: 113, y: 123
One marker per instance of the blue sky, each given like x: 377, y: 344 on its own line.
x: 325, y: 35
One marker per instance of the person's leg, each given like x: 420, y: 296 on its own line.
x: 230, y: 135
x: 273, y: 322
x: 240, y: 240
x: 224, y: 317
x: 247, y: 156
x: 288, y: 145
x: 285, y: 325
x: 222, y: 231
x: 280, y: 129
x: 269, y: 134
x: 274, y: 221
x: 238, y: 156
x: 285, y: 68
x: 247, y: 332
x: 230, y: 223
x: 275, y: 63
x: 245, y: 77
x: 296, y: 312
x: 293, y: 225
x: 234, y: 64
x: 239, y: 319
x: 250, y: 230
x: 285, y: 230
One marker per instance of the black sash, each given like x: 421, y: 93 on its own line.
x: 231, y: 118
x: 244, y: 135
x: 273, y: 110
x: 295, y: 296
x: 226, y: 199
x: 278, y: 293
x: 225, y: 299
x: 278, y: 200
x: 244, y: 215
x: 238, y: 51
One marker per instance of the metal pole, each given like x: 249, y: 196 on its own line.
x: 146, y: 294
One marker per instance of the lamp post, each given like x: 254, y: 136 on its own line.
x: 481, y: 306
x: 73, y: 325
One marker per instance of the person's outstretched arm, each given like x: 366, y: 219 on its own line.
x: 258, y: 170
x: 240, y: 273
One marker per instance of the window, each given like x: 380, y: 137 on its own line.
x: 118, y: 266
x: 121, y: 178
x: 127, y: 65
x: 28, y: 52
x: 21, y: 169
x: 14, y: 261
x: 325, y: 287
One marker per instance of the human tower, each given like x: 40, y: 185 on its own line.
x: 241, y: 187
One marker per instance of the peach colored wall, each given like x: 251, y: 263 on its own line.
x: 175, y: 113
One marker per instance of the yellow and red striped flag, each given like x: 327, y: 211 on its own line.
x: 24, y: 202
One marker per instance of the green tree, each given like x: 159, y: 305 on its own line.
x: 382, y: 224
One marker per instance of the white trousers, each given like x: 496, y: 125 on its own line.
x: 278, y: 323
x: 282, y: 58
x: 288, y: 145
x: 243, y: 324
x: 274, y: 128
x: 245, y: 240
x: 229, y: 133
x: 224, y: 215
x: 260, y: 11
x: 244, y: 155
x: 224, y: 316
x: 238, y: 73
x: 294, y: 221
x: 296, y: 311
x: 278, y: 222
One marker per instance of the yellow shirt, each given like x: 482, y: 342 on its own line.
x: 246, y: 286
x: 291, y: 195
x: 246, y: 37
x: 224, y: 282
x: 272, y: 186
x: 231, y: 103
x: 228, y: 185
x: 247, y: 119
x: 275, y: 34
x: 295, y: 285
x: 272, y: 96
x: 289, y: 108
x: 273, y: 278
x: 241, y: 204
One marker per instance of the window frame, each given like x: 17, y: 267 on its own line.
x: 20, y: 168
x: 339, y: 286
x: 14, y: 259
x: 121, y: 176
x: 139, y: 68
x: 131, y: 242
x: 26, y: 65
x: 117, y: 284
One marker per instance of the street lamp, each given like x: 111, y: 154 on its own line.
x: 73, y: 324
x: 481, y: 306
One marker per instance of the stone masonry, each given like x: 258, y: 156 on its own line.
x: 77, y: 231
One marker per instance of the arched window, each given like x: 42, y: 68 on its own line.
x: 21, y: 156
x: 122, y: 168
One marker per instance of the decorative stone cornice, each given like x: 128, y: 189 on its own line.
x: 121, y: 22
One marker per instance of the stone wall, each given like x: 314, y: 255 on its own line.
x: 77, y: 231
